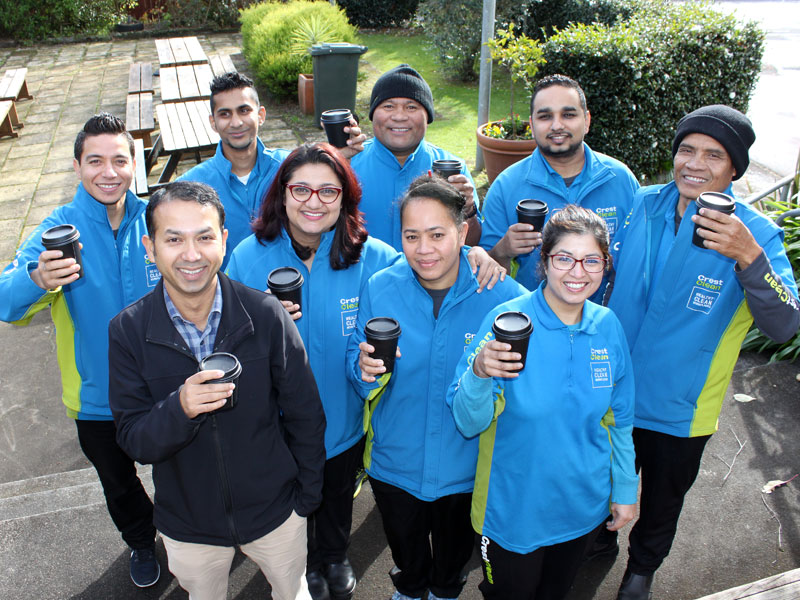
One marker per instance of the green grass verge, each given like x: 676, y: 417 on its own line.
x: 455, y: 103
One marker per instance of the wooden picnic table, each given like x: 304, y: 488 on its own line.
x: 186, y: 82
x: 180, y: 51
x: 184, y: 128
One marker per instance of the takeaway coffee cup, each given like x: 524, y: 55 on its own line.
x: 286, y: 283
x: 532, y: 212
x: 64, y: 238
x: 714, y: 201
x: 446, y: 167
x: 382, y: 334
x: 222, y: 361
x: 514, y: 328
x: 334, y: 121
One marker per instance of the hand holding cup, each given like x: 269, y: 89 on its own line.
x: 198, y: 397
x: 371, y: 368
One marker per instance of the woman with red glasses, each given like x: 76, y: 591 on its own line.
x: 556, y: 445
x: 310, y: 220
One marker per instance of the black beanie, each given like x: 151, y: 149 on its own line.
x: 402, y: 82
x: 726, y: 125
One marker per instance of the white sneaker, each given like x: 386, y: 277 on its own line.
x: 398, y: 596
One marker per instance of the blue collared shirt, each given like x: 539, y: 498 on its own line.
x: 201, y: 343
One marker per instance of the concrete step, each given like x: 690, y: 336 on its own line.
x: 56, y: 492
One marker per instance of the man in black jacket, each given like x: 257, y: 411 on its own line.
x: 225, y: 475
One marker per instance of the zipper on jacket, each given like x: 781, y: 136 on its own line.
x: 223, y: 475
x: 571, y: 354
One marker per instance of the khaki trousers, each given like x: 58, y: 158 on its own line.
x: 202, y: 570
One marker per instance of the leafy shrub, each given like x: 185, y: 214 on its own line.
x: 383, y: 13
x: 454, y: 29
x: 542, y: 18
x: 643, y: 75
x: 267, y: 31
x: 30, y: 20
x: 170, y: 14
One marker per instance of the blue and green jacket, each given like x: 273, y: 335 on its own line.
x: 242, y: 202
x: 384, y: 182
x: 412, y: 440
x: 330, y: 302
x: 555, y: 442
x: 685, y: 310
x: 116, y: 273
x: 605, y: 186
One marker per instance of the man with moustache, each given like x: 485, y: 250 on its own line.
x: 226, y: 476
x: 685, y: 311
x: 82, y: 300
x: 242, y: 168
x: 562, y: 170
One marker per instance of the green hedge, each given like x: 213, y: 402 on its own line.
x: 29, y: 20
x: 643, y: 75
x: 266, y: 37
x: 379, y: 13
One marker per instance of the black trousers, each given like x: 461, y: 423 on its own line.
x: 329, y: 526
x: 668, y: 467
x: 431, y: 542
x: 546, y: 573
x: 128, y: 503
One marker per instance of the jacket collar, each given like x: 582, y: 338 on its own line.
x: 546, y: 316
x: 223, y: 165
x: 385, y: 155
x: 234, y: 325
x: 466, y: 282
x: 325, y: 242
x: 592, y: 168
x: 97, y: 212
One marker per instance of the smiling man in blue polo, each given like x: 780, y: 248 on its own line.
x: 685, y: 310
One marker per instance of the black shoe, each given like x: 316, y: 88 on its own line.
x: 145, y: 569
x: 635, y: 587
x: 341, y: 580
x: 317, y: 586
x: 602, y: 548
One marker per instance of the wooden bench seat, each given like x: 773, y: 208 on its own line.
x: 139, y: 184
x: 139, y: 119
x: 140, y: 78
x: 186, y: 83
x: 13, y: 85
x: 220, y: 64
x: 8, y: 119
x: 180, y: 51
x: 184, y: 128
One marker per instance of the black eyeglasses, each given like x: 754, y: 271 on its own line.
x: 302, y: 193
x: 565, y: 262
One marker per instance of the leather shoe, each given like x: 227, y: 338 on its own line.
x: 635, y: 587
x: 317, y: 586
x: 341, y: 580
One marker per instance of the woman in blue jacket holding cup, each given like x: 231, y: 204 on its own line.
x: 555, y: 431
x: 421, y: 468
x: 310, y: 221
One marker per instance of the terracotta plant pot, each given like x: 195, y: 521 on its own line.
x: 305, y: 93
x: 500, y: 154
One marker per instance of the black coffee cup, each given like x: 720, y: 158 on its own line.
x: 382, y: 334
x: 64, y: 238
x: 514, y: 328
x: 714, y: 201
x: 532, y: 212
x: 446, y: 167
x: 334, y: 121
x: 286, y: 283
x: 222, y: 361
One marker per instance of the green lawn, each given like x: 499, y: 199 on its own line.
x: 456, y: 103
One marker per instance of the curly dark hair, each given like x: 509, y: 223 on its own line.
x: 573, y: 219
x: 233, y: 80
x: 436, y: 188
x: 350, y: 233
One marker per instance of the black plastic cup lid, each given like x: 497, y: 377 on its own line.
x: 512, y: 325
x: 336, y: 115
x: 222, y: 361
x: 59, y: 235
x: 717, y: 201
x: 532, y: 207
x: 284, y: 279
x: 447, y: 163
x: 382, y: 328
